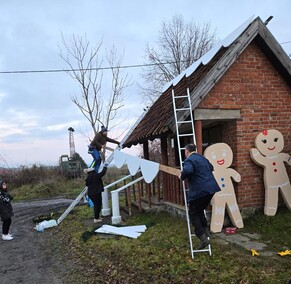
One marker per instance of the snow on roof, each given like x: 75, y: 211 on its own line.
x: 210, y: 54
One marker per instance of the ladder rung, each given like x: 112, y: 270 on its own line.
x: 186, y: 121
x: 183, y: 135
x: 201, y: 250
x: 186, y: 108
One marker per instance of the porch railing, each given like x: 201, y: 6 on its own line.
x: 165, y: 187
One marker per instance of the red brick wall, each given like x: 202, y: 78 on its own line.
x: 253, y: 85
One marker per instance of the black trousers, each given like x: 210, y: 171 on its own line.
x: 6, y: 226
x: 196, y: 213
x: 97, y: 201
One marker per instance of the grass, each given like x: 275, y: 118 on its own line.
x: 39, y: 182
x: 161, y: 254
x: 49, y: 188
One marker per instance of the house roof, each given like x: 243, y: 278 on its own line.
x: 201, y: 76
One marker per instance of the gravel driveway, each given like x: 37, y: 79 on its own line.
x: 26, y: 258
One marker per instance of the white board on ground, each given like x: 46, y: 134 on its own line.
x: 130, y: 232
x: 138, y: 228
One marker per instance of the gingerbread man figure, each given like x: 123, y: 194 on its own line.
x: 269, y: 144
x: 220, y: 156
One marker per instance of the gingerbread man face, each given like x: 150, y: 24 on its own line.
x: 269, y: 142
x: 219, y: 155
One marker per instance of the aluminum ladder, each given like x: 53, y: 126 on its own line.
x: 182, y: 111
x: 107, y: 161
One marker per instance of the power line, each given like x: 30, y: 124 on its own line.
x: 92, y: 69
x: 83, y: 69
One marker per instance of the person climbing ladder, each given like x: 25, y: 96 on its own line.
x: 96, y: 145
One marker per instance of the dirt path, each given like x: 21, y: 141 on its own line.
x: 26, y: 259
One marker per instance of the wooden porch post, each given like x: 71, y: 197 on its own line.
x: 164, y: 151
x: 146, y: 154
x: 164, y: 161
x: 198, y: 134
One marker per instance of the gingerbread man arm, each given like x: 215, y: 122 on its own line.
x: 235, y: 175
x: 286, y: 158
x: 257, y: 157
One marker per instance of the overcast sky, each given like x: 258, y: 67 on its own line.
x: 36, y: 108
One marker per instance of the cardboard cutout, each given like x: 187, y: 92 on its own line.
x: 148, y: 169
x: 269, y: 144
x: 220, y: 156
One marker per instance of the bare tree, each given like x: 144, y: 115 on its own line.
x: 85, y: 67
x: 179, y: 44
x: 118, y: 84
x: 155, y: 150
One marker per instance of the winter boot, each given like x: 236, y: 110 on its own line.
x: 204, y: 242
x: 207, y: 233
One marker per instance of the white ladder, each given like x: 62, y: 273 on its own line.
x: 183, y: 112
x: 107, y: 161
x: 72, y: 205
x: 84, y: 191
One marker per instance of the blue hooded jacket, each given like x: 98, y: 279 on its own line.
x: 201, y: 180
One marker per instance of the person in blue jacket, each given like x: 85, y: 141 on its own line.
x: 202, y: 186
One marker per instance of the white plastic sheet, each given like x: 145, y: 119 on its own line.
x: 133, y: 164
x: 40, y: 227
x: 149, y: 170
x: 119, y: 158
x: 130, y: 231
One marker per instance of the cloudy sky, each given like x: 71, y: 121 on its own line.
x: 36, y: 107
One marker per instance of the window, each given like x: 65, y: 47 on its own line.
x: 211, y: 135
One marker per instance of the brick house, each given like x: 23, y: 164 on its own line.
x: 239, y: 88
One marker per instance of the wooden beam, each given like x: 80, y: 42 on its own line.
x: 170, y: 170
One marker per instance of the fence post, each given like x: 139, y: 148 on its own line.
x: 116, y: 217
x: 105, y: 206
x: 139, y: 196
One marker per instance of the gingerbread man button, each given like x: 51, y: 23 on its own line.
x: 220, y: 156
x: 267, y: 154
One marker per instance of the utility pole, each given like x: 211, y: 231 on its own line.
x: 71, y: 141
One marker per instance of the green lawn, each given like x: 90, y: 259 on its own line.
x: 161, y: 254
